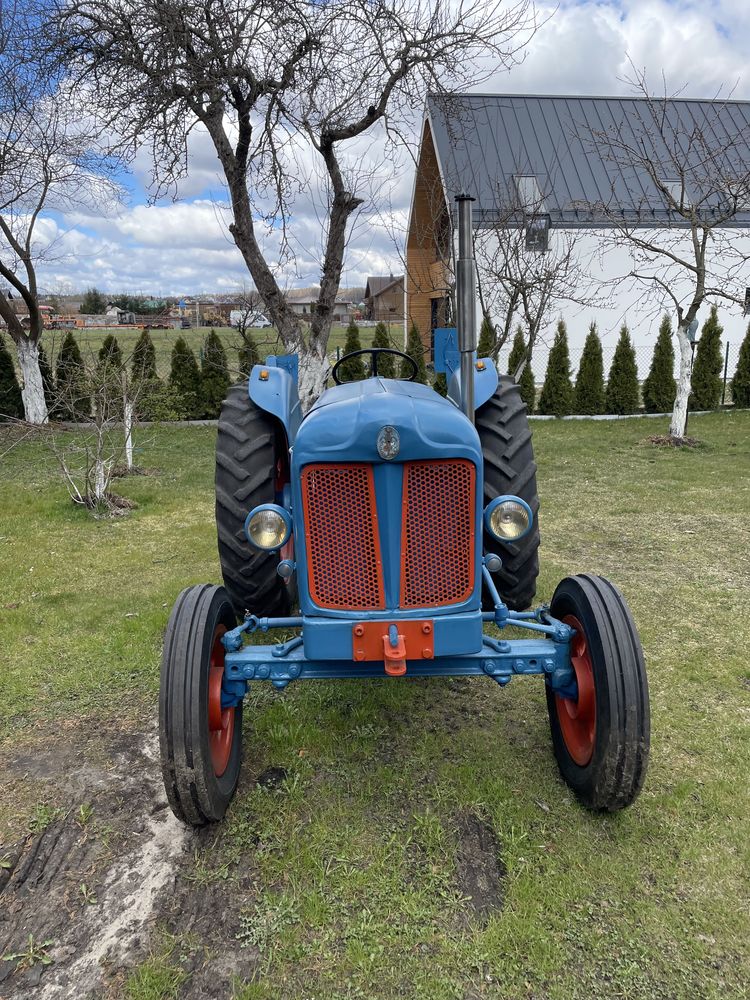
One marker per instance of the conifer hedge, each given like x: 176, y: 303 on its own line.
x: 622, y: 386
x: 705, y: 383
x: 72, y: 399
x: 741, y: 380
x: 589, y: 392
x: 556, y: 397
x: 386, y: 362
x: 11, y: 401
x: 660, y: 386
x: 352, y: 370
x: 215, y: 379
x: 415, y: 350
x: 185, y: 382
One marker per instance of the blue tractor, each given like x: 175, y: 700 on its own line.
x: 391, y: 526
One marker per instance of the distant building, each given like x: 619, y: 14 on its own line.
x: 384, y: 298
x: 303, y: 303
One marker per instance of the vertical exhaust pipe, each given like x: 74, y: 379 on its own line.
x: 466, y: 303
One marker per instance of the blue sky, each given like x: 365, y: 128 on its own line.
x: 183, y: 246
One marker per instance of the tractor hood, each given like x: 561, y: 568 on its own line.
x: 344, y: 423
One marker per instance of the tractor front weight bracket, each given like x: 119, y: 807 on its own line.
x: 547, y: 655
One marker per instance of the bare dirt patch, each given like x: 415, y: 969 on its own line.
x: 480, y: 868
x: 84, y: 897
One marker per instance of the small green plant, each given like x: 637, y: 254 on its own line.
x: 386, y: 362
x: 260, y: 926
x: 89, y: 896
x: 741, y: 380
x: 353, y: 369
x: 659, y: 386
x: 35, y: 953
x: 556, y: 397
x: 415, y: 350
x: 705, y: 383
x: 84, y: 813
x: 43, y: 816
x: 589, y: 394
x: 622, y: 385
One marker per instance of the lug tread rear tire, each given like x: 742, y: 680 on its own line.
x: 615, y: 774
x: 196, y: 795
x: 247, y: 449
x: 509, y: 467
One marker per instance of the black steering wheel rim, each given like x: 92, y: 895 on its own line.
x: 373, y: 352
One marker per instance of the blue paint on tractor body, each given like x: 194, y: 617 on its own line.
x: 342, y: 427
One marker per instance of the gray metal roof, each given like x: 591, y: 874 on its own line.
x: 576, y: 148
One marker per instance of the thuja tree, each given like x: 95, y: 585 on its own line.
x: 215, y: 379
x: 556, y: 397
x: 185, y: 381
x: 386, y: 362
x: 622, y: 384
x: 353, y: 369
x: 247, y: 354
x: 660, y: 385
x: 415, y: 350
x: 741, y: 380
x: 487, y: 346
x: 143, y: 365
x: 72, y: 395
x: 589, y: 393
x: 275, y: 86
x: 518, y: 352
x: 705, y: 383
x: 11, y: 404
x: 48, y: 379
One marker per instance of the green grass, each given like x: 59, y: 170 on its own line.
x: 90, y: 340
x: 354, y: 858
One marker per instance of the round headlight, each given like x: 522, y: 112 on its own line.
x: 508, y: 518
x: 268, y: 527
x: 389, y: 443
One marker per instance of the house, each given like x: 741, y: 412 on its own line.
x: 534, y: 162
x: 384, y: 298
x: 303, y: 301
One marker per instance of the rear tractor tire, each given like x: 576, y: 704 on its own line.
x: 201, y: 744
x: 601, y: 738
x: 509, y: 468
x: 252, y: 465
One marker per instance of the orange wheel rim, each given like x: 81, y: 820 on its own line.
x: 220, y: 720
x: 577, y: 717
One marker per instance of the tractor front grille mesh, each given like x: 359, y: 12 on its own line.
x: 437, y: 533
x: 341, y: 530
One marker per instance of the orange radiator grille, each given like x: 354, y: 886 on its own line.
x: 437, y: 533
x: 341, y: 530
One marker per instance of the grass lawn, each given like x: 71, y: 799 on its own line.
x: 354, y: 890
x: 90, y: 340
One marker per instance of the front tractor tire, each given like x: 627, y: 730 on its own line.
x: 201, y: 744
x: 509, y: 468
x: 252, y: 462
x: 601, y: 738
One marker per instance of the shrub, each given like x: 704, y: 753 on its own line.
x: 705, y: 383
x: 660, y: 387
x: 517, y: 352
x: 11, y: 401
x: 415, y: 350
x: 144, y: 358
x: 741, y: 380
x: 526, y: 381
x: 440, y: 384
x: 72, y: 399
x: 487, y: 347
x: 589, y: 394
x: 215, y: 379
x: 527, y: 387
x: 93, y: 302
x: 386, y: 362
x: 247, y: 355
x: 110, y: 354
x: 352, y: 370
x: 622, y: 385
x: 185, y: 382
x: 556, y: 397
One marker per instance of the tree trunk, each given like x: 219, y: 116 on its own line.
x: 314, y: 368
x: 679, y: 413
x: 32, y: 391
x: 128, y: 423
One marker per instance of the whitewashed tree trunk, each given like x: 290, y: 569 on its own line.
x: 32, y: 391
x: 313, y: 373
x: 679, y: 413
x: 128, y: 422
x: 100, y: 478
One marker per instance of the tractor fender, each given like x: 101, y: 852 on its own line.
x: 275, y: 391
x: 485, y: 383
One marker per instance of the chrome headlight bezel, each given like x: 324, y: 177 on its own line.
x: 284, y: 516
x: 493, y: 505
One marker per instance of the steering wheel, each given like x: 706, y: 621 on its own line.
x: 374, y: 352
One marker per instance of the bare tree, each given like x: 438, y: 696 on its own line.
x: 48, y: 161
x: 279, y: 86
x: 525, y: 273
x: 694, y: 175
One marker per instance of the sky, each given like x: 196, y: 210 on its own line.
x: 183, y: 247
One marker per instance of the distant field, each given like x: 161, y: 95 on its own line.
x: 267, y: 340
